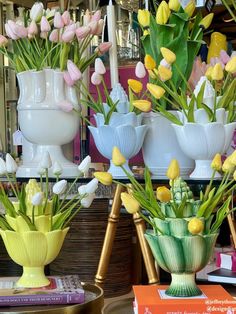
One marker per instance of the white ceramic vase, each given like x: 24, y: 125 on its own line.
x: 123, y: 131
x: 160, y: 146
x: 203, y: 139
x: 43, y: 123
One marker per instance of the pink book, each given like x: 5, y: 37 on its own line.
x: 226, y: 260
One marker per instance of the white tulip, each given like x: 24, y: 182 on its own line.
x: 57, y: 169
x: 85, y: 164
x: 37, y: 199
x: 46, y: 161
x: 92, y: 186
x: 82, y: 190
x: 36, y: 11
x: 3, y: 168
x: 41, y: 171
x: 11, y: 165
x: 87, y: 201
x: 59, y: 187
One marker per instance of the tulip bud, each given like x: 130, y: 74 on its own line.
x: 66, y: 18
x: 92, y: 186
x: 216, y: 162
x: 190, y: 8
x: 195, y: 226
x: 74, y: 71
x: 68, y: 79
x: 228, y: 166
x: 3, y: 41
x: 44, y: 35
x: 87, y: 201
x: 37, y: 199
x: 87, y: 18
x: 100, y: 27
x: 163, y: 13
x: 224, y: 57
x: 155, y: 90
x: 174, y: 5
x: 146, y: 32
x: 209, y: 72
x: 206, y: 21
x: 96, y: 79
x: 217, y: 72
x: 103, y: 177
x: 82, y: 32
x: 54, y: 36
x: 85, y: 164
x: 68, y: 36
x: 11, y: 165
x: 41, y: 171
x: 168, y: 55
x: 46, y: 161
x: 36, y: 11
x: 99, y: 67
x: 3, y: 169
x: 93, y: 27
x: 65, y: 106
x: 233, y: 158
x: 58, y: 21
x: 135, y: 85
x: 33, y: 28
x: 96, y: 16
x: 163, y: 194
x: 57, y: 169
x: 103, y: 48
x: 149, y: 62
x: 143, y: 105
x: 59, y: 187
x: 44, y: 25
x: 130, y: 203
x: 140, y: 71
x: 144, y: 18
x: 117, y: 158
x: 231, y: 65
x: 164, y: 73
x: 173, y: 170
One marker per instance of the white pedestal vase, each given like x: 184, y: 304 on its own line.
x: 42, y: 122
x: 202, y: 140
x: 160, y: 146
x: 123, y: 131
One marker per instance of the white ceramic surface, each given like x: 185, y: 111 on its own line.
x: 43, y: 123
x: 160, y: 146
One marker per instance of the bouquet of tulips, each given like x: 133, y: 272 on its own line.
x: 35, y: 208
x: 48, y: 38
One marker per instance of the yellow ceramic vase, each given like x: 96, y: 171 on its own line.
x: 218, y: 43
x: 32, y: 249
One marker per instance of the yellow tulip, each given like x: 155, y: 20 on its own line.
x: 163, y: 194
x: 144, y: 18
x: 216, y: 162
x: 217, y: 72
x: 117, y: 158
x: 152, y: 74
x: 103, y: 177
x: 135, y: 85
x: 146, y: 32
x: 190, y: 8
x: 142, y: 104
x: 149, y: 62
x: 131, y: 204
x: 206, y: 21
x: 228, y: 166
x: 163, y: 13
x: 232, y: 158
x: 173, y: 170
x: 155, y: 90
x: 165, y: 74
x: 195, y: 226
x: 174, y: 5
x: 168, y: 55
x: 209, y: 72
x: 231, y: 65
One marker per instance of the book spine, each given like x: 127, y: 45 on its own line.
x: 65, y: 298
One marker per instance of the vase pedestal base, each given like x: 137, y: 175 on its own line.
x: 33, y: 277
x: 183, y: 285
x: 117, y: 172
x: 203, y: 170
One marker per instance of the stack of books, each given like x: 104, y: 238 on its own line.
x: 61, y: 290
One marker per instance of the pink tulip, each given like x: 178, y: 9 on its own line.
x: 68, y: 36
x: 54, y: 36
x: 68, y: 79
x: 74, y: 71
x: 103, y: 48
x: 10, y: 32
x: 87, y: 18
x: 99, y: 67
x: 44, y: 35
x: 96, y: 16
x: 66, y: 106
x: 224, y: 57
x: 15, y: 31
x: 71, y: 27
x: 66, y: 18
x: 44, y: 25
x: 58, y: 21
x: 32, y: 29
x: 82, y: 32
x: 96, y: 78
x: 94, y: 26
x: 3, y: 41
x: 140, y: 70
x: 100, y: 27
x: 215, y: 60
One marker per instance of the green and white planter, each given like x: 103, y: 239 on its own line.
x: 180, y: 253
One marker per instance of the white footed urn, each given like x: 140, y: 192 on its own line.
x: 203, y: 139
x: 42, y: 122
x: 124, y: 131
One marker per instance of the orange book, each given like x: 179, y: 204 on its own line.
x: 152, y: 300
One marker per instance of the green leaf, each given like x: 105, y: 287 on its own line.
x: 200, y: 95
x: 170, y: 116
x: 195, y: 28
x: 191, y: 110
